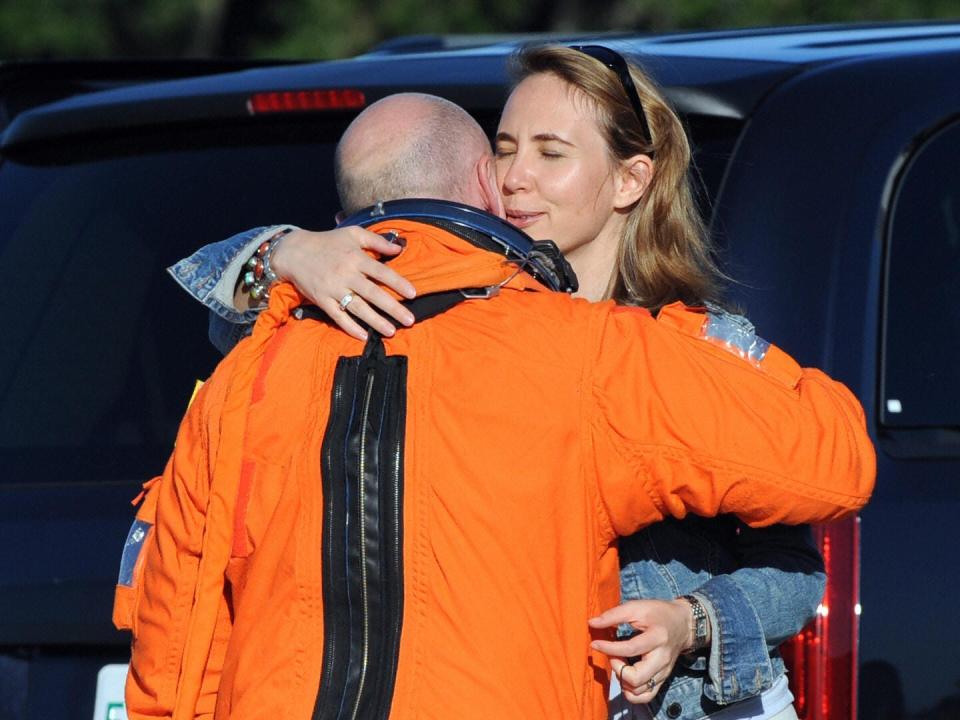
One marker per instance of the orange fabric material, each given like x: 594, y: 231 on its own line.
x: 539, y: 428
x: 776, y: 363
x: 241, y: 548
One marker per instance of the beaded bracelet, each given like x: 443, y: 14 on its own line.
x: 260, y: 276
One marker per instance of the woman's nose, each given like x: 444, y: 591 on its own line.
x: 515, y: 176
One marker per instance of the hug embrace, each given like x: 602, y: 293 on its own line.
x: 494, y: 510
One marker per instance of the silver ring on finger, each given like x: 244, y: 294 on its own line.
x: 652, y: 683
x: 345, y: 300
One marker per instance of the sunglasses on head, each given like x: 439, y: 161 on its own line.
x: 615, y: 62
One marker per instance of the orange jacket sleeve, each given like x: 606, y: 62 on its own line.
x: 689, y: 427
x: 181, y: 624
x: 168, y: 582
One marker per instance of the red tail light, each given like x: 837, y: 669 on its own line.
x: 823, y: 658
x: 305, y: 100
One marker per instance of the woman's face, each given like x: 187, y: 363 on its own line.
x: 553, y: 167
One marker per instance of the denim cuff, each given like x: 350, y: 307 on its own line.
x: 212, y: 272
x: 739, y: 664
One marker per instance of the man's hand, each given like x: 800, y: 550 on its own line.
x: 664, y: 631
x: 327, y: 266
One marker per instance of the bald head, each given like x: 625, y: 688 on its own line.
x: 410, y: 145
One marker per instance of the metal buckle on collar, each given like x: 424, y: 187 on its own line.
x: 484, y: 293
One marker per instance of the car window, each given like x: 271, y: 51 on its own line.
x: 921, y: 384
x: 712, y: 140
x: 101, y: 348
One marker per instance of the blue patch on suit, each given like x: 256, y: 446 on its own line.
x: 736, y: 334
x: 131, y: 551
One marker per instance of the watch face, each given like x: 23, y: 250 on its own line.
x: 699, y: 622
x: 701, y: 628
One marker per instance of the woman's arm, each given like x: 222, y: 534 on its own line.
x: 211, y: 274
x: 750, y: 611
x: 664, y: 630
x: 768, y: 600
x: 324, y: 266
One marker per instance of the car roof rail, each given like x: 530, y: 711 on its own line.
x: 409, y: 44
x: 27, y: 84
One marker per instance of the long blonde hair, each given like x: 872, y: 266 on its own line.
x: 664, y: 252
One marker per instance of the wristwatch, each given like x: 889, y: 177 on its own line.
x: 700, y: 624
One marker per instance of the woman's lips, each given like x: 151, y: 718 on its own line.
x: 521, y: 219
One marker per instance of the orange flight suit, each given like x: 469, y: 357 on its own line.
x: 538, y: 428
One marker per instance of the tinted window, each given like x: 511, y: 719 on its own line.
x: 101, y: 349
x: 909, y: 652
x: 713, y: 140
x: 922, y: 339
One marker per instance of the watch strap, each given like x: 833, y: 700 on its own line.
x: 700, y: 624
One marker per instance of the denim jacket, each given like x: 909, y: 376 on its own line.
x: 210, y: 276
x: 759, y: 587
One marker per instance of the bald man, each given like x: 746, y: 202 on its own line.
x: 419, y: 526
x: 386, y: 152
x: 406, y: 145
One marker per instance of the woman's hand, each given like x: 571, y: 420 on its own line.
x: 664, y: 631
x: 326, y: 266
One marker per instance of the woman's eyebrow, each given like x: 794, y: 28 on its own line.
x: 551, y: 137
x: 539, y: 137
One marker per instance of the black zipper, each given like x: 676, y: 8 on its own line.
x: 362, y: 479
x: 362, y: 513
x: 362, y: 541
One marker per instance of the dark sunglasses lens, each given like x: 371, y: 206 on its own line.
x: 615, y: 62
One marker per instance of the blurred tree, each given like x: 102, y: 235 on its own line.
x: 45, y: 28
x: 98, y: 28
x: 211, y: 15
x: 335, y: 28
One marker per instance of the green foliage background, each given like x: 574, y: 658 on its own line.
x: 336, y: 28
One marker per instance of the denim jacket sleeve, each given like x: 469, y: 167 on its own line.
x: 767, y: 600
x: 210, y: 276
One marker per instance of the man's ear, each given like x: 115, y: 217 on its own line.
x: 632, y: 179
x: 487, y: 180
